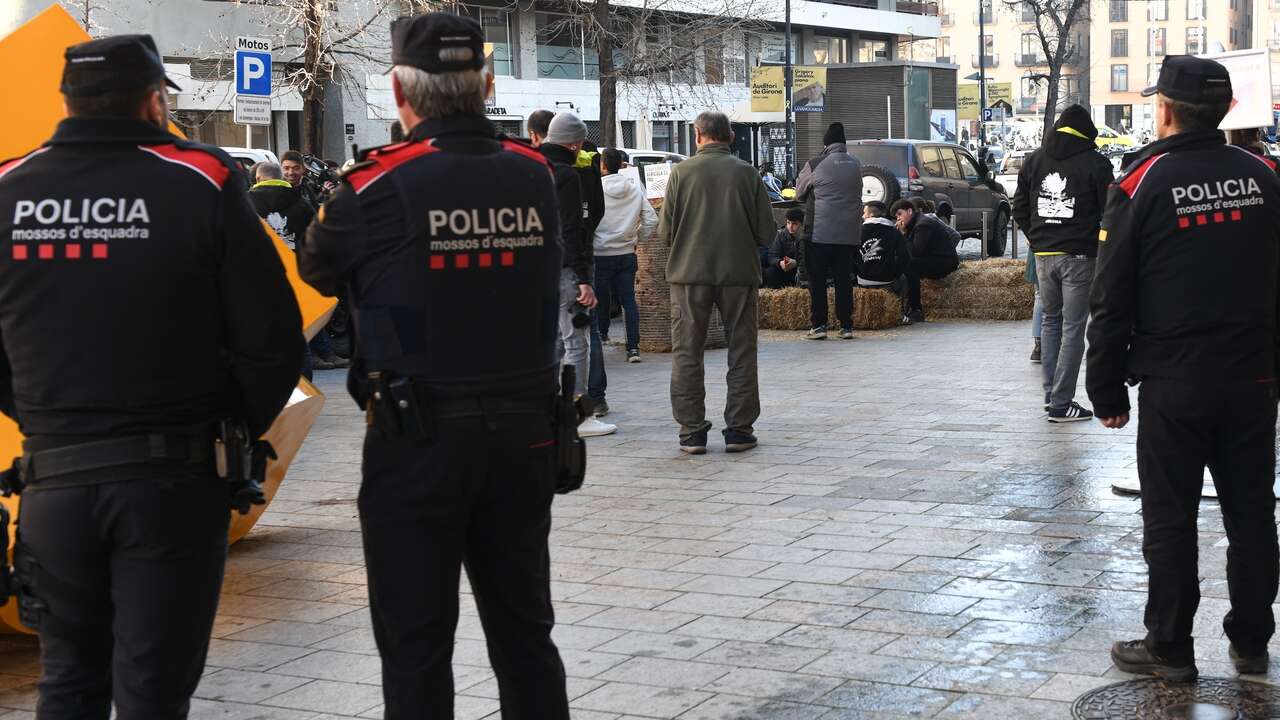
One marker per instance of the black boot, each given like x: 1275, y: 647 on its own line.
x: 1132, y: 656
x: 1250, y: 664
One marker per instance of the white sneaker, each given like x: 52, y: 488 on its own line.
x: 592, y: 427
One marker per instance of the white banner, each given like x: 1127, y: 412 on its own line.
x: 1251, y: 87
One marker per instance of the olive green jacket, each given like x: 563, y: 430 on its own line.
x: 715, y: 217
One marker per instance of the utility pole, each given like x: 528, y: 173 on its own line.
x: 786, y: 84
x: 982, y: 74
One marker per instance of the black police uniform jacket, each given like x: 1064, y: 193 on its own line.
x: 1186, y: 277
x: 138, y: 288
x: 448, y: 246
x: 1062, y: 190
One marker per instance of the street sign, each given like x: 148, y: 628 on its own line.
x: 253, y: 110
x: 1005, y: 106
x: 993, y: 114
x: 253, y: 66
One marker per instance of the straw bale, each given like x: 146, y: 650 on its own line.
x: 788, y: 309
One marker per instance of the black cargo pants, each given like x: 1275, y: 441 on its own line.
x: 480, y: 496
x: 1231, y: 428
x: 129, y: 572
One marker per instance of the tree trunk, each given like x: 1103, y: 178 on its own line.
x: 608, y: 79
x: 1051, y: 96
x: 313, y: 120
x: 313, y: 90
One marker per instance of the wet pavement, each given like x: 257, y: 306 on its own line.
x: 911, y: 539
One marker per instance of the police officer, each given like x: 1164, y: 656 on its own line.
x: 434, y: 240
x: 141, y: 302
x: 1184, y: 302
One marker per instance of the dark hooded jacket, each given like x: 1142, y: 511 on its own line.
x: 284, y: 208
x: 1062, y: 188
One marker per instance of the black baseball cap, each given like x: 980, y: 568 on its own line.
x: 1190, y: 79
x: 417, y: 41
x: 116, y: 62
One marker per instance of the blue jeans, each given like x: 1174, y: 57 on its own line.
x: 597, y: 380
x: 1037, y: 317
x: 1065, y: 281
x: 616, y: 277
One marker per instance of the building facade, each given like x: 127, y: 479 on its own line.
x: 541, y: 60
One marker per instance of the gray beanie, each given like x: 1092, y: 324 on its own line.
x: 566, y: 129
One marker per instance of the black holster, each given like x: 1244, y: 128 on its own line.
x: 397, y: 409
x: 571, y: 450
x: 241, y: 461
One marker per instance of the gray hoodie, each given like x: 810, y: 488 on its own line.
x: 830, y: 185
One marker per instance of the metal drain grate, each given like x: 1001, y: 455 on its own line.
x: 1205, y: 699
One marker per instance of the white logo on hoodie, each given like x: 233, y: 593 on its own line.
x: 1054, y: 202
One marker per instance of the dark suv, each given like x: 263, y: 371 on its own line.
x: 944, y: 173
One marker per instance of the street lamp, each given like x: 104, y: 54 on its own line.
x: 786, y: 84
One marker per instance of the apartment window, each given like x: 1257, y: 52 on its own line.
x: 497, y: 30
x: 1119, y: 43
x: 561, y: 55
x: 944, y: 12
x: 1027, y: 12
x: 1119, y: 78
x: 735, y: 59
x: 1119, y: 10
x: 773, y: 48
x: 1195, y: 40
x: 1031, y: 49
x: 873, y: 50
x: 1195, y: 9
x: 988, y: 13
x: 944, y: 49
x: 1155, y: 42
x: 1157, y: 10
x: 830, y: 50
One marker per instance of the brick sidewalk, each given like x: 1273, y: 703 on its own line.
x: 911, y: 539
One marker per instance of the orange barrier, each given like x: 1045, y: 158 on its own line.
x: 30, y: 108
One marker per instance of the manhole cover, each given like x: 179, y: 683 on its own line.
x: 1205, y: 699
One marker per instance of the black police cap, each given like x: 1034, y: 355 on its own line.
x: 417, y: 41
x: 1194, y: 80
x: 116, y: 62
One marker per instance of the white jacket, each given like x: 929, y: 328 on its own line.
x: 627, y: 216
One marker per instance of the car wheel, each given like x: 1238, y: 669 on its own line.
x: 879, y: 184
x: 998, y: 233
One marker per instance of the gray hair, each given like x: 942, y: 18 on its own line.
x: 714, y: 126
x: 266, y: 170
x: 439, y: 95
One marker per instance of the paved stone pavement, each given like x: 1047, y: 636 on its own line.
x: 911, y: 539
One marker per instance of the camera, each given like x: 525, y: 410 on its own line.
x: 581, y: 315
x: 318, y: 173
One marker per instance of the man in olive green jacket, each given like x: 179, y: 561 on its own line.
x: 715, y: 217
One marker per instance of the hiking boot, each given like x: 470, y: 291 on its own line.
x: 818, y: 333
x: 600, y: 408
x: 695, y: 444
x: 1132, y: 656
x: 633, y: 356
x: 1075, y: 412
x: 1035, y: 352
x: 592, y: 427
x: 1250, y: 664
x: 736, y: 441
x: 917, y: 316
x: 846, y: 334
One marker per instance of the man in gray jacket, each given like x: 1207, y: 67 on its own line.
x: 830, y: 185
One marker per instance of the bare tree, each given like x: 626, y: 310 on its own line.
x: 664, y: 52
x: 1054, y: 21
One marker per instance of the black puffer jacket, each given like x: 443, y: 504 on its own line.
x: 1062, y: 188
x: 929, y: 237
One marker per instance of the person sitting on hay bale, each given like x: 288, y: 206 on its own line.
x: 883, y: 258
x: 780, y: 265
x: 933, y: 252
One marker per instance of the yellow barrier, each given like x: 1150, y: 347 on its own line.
x: 30, y: 108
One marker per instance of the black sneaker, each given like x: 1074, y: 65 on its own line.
x: 736, y: 441
x: 695, y: 444
x: 1035, y: 352
x: 846, y: 334
x: 818, y: 333
x: 1074, y: 412
x: 1132, y: 656
x: 916, y: 316
x: 906, y: 320
x: 1250, y: 664
x: 633, y: 356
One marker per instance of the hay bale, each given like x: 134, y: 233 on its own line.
x: 993, y: 289
x: 788, y: 309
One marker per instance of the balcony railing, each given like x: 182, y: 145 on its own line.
x: 987, y: 19
x: 918, y: 7
x: 947, y: 19
x: 1029, y: 60
x: 988, y: 60
x: 944, y: 59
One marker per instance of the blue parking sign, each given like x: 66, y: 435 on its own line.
x: 253, y: 66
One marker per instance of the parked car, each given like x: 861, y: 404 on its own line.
x: 1007, y: 174
x: 1107, y: 136
x: 246, y: 158
x: 944, y: 173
